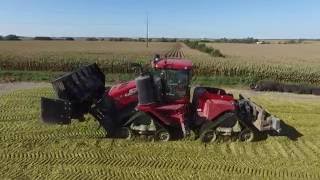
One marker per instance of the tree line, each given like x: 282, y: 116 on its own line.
x: 13, y: 37
x: 10, y: 37
x: 249, y: 40
x: 204, y: 48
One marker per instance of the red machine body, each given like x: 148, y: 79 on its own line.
x: 156, y: 103
x: 176, y: 64
x: 210, y: 105
x: 123, y: 94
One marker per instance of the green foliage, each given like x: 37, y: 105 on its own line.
x: 12, y: 37
x: 120, y: 39
x: 128, y: 39
x: 292, y: 41
x: 42, y: 38
x: 163, y: 39
x: 117, y: 60
x: 248, y: 40
x: 13, y: 76
x: 141, y: 39
x: 48, y: 76
x: 203, y: 48
x: 92, y: 39
x: 69, y: 39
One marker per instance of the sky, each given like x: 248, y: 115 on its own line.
x: 269, y: 19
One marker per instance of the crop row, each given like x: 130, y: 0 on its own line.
x: 29, y: 148
x: 175, y: 52
x: 151, y: 162
x: 203, y: 65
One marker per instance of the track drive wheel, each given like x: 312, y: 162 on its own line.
x: 246, y: 135
x: 209, y: 135
x: 162, y: 135
x: 125, y: 133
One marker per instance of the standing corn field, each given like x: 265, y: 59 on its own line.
x: 114, y: 57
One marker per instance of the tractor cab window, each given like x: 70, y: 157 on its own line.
x: 176, y: 83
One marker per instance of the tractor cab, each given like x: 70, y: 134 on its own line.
x: 164, y: 93
x: 175, y: 75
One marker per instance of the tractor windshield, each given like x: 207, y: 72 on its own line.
x: 176, y: 83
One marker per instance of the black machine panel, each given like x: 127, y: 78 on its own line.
x: 55, y: 111
x: 145, y: 89
x: 85, y: 84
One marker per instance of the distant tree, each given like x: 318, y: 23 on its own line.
x: 127, y: 39
x: 12, y: 37
x: 92, y: 39
x: 204, y: 40
x: 1, y: 38
x: 117, y: 39
x: 293, y: 41
x: 141, y: 40
x: 69, y: 39
x: 163, y: 39
x: 173, y: 40
x: 300, y: 40
x: 42, y: 38
x: 248, y: 40
x: 203, y: 48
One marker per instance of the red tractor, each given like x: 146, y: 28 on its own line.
x: 156, y: 104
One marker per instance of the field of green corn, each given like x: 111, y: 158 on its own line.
x: 283, y: 62
x: 30, y: 149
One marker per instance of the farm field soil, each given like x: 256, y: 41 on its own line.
x: 30, y: 149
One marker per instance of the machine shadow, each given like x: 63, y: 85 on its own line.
x: 289, y: 131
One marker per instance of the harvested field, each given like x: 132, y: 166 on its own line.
x: 273, y: 53
x: 30, y: 149
x: 259, y: 62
